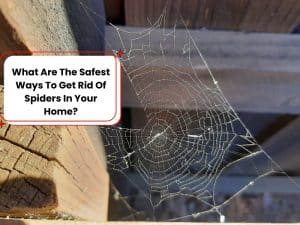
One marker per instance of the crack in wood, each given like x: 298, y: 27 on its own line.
x: 46, y: 158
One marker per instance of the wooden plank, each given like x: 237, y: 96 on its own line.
x: 20, y: 30
x: 8, y: 41
x: 284, y: 147
x: 271, y: 16
x: 231, y: 184
x: 52, y: 171
x: 256, y: 72
x: 45, y: 170
x: 247, y: 91
x: 51, y: 26
x: 60, y: 222
x: 271, y: 184
x: 246, y: 15
x: 36, y: 30
x: 222, y: 49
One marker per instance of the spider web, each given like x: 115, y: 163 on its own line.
x: 177, y: 153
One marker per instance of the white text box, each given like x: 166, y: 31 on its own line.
x: 69, y: 90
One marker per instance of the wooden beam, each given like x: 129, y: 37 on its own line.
x: 8, y: 40
x: 245, y: 15
x: 24, y: 26
x: 223, y: 49
x: 36, y: 30
x: 55, y: 25
x: 227, y: 184
x: 50, y: 26
x: 271, y: 184
x: 256, y: 72
x: 283, y: 147
x: 52, y: 171
x: 247, y: 91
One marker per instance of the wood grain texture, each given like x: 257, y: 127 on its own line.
x: 54, y: 25
x: 52, y: 171
x: 222, y: 49
x: 8, y: 41
x: 246, y: 91
x: 256, y: 72
x: 245, y: 15
x: 283, y: 147
x: 40, y: 25
x: 34, y: 26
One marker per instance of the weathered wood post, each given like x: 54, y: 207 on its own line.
x: 52, y: 171
x: 49, y: 171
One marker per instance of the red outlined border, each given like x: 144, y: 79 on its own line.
x: 6, y: 54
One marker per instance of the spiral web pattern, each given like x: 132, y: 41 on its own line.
x: 178, y: 152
